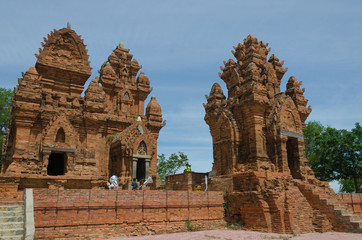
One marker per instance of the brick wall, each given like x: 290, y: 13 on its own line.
x: 9, y: 193
x: 185, y: 181
x: 99, y: 213
x: 354, y: 200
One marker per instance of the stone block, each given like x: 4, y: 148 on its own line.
x: 215, y: 198
x: 177, y: 199
x: 129, y: 199
x: 45, y: 218
x: 154, y: 199
x: 216, y: 212
x: 196, y: 213
x: 129, y: 215
x: 178, y: 214
x: 198, y: 199
x: 102, y: 215
x: 158, y: 214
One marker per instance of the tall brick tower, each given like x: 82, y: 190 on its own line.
x: 258, y: 145
x: 57, y: 138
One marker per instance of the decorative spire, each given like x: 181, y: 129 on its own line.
x: 216, y: 92
x: 121, y: 45
x: 134, y: 63
x: 64, y: 49
x: 69, y: 26
x: 153, y: 108
x: 143, y: 79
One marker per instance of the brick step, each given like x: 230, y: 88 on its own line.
x: 321, y: 195
x: 336, y: 205
x: 11, y: 225
x: 18, y: 218
x: 353, y: 218
x: 333, y: 204
x: 12, y: 232
x: 11, y: 208
x: 18, y: 237
x: 17, y: 213
x: 357, y: 224
x: 5, y: 203
x: 329, y: 199
x: 343, y: 211
x: 332, y: 201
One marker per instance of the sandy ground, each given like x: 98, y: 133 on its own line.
x: 245, y: 235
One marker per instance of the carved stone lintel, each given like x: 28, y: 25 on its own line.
x: 72, y: 150
x: 291, y: 134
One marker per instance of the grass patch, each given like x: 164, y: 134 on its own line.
x: 110, y: 138
x: 233, y: 226
x: 190, y: 227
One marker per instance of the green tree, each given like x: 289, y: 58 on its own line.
x: 5, y: 105
x: 350, y: 152
x: 335, y: 154
x: 171, y: 165
x: 347, y: 185
x: 323, y: 157
x: 1, y: 146
x: 312, y: 130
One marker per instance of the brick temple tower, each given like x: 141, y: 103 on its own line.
x: 259, y: 154
x: 257, y: 127
x: 57, y: 138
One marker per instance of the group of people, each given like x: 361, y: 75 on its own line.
x: 113, y: 182
x: 135, y: 184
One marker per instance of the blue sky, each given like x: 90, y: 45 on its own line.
x: 181, y: 45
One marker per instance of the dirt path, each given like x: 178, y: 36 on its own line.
x: 245, y: 235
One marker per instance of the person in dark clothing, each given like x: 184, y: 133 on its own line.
x: 134, y: 184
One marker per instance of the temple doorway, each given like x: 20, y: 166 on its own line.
x: 56, y: 164
x: 141, y: 169
x: 293, y: 159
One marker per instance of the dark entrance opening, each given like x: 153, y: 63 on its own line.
x: 56, y: 164
x: 293, y: 156
x: 141, y: 169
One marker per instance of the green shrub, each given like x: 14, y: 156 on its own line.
x: 190, y: 227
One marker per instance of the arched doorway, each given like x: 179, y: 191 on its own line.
x: 141, y: 162
x: 56, y: 164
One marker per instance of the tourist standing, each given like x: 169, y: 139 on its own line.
x: 134, y: 184
x: 188, y: 168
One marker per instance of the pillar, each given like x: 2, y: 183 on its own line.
x: 69, y: 163
x: 282, y: 157
x: 134, y: 167
x: 147, y: 167
x: 46, y: 154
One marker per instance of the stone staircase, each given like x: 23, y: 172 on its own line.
x: 337, y: 211
x: 11, y: 220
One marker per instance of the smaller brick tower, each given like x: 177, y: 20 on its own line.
x: 257, y: 127
x: 258, y: 145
